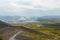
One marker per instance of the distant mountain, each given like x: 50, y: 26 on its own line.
x: 16, y: 19
x: 49, y: 19
x: 20, y: 19
x: 9, y: 19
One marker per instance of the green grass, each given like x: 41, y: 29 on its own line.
x: 48, y: 29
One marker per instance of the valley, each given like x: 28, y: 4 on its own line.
x: 30, y: 30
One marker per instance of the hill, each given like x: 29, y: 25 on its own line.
x: 3, y: 24
x: 20, y: 19
x: 46, y: 19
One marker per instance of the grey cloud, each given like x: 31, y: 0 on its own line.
x: 37, y: 6
x: 9, y: 10
x: 24, y: 3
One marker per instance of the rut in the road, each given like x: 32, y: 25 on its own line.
x: 13, y: 37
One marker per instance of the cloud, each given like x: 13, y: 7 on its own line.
x: 47, y: 4
x: 36, y: 4
x: 24, y: 3
x: 29, y: 7
x: 32, y: 4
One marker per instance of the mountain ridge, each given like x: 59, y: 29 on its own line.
x: 18, y: 19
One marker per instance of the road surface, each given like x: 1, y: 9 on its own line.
x: 13, y: 37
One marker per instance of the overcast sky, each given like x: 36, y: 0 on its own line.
x: 29, y: 7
